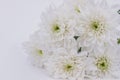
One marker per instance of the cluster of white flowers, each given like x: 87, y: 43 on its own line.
x: 80, y: 40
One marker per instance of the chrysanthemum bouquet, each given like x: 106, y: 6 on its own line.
x: 78, y: 40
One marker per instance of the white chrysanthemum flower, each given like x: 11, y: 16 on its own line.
x: 58, y: 25
x: 37, y: 50
x: 97, y: 27
x: 66, y: 65
x: 104, y: 65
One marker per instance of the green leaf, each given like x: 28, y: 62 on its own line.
x: 118, y: 40
x: 76, y: 37
x: 79, y: 50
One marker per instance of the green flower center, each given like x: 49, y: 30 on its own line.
x: 102, y: 64
x: 95, y: 25
x: 40, y: 52
x: 68, y: 67
x: 118, y: 41
x: 56, y: 28
x: 77, y: 9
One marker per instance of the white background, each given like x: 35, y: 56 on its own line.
x: 18, y: 20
